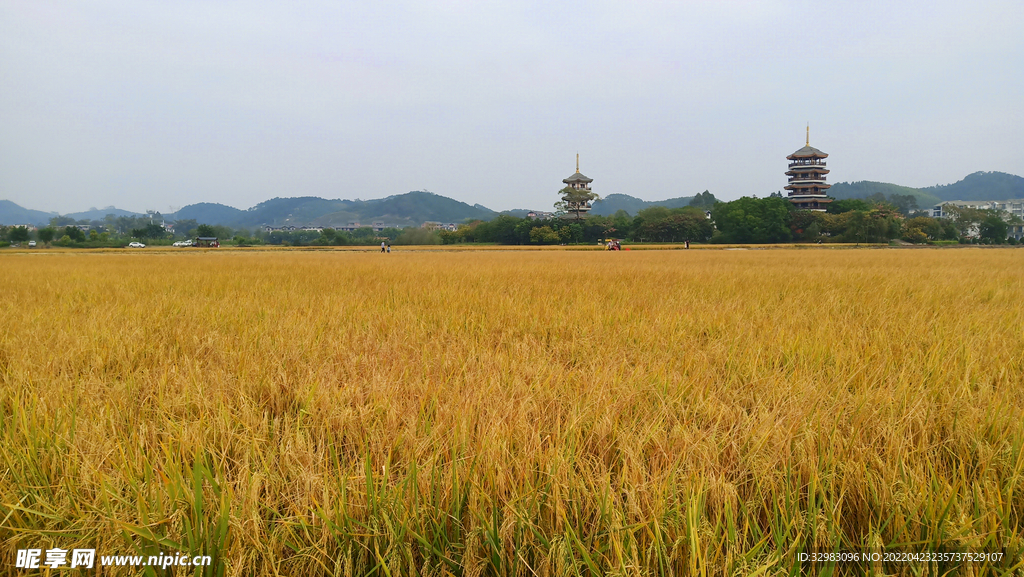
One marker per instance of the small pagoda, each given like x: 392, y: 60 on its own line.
x: 807, y: 187
x: 577, y: 206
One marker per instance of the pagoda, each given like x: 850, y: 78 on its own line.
x: 578, y: 181
x: 806, y: 174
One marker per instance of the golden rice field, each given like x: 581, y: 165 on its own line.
x: 514, y: 413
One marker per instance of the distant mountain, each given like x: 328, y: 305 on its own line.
x: 518, y: 212
x: 11, y: 214
x: 414, y: 208
x: 981, y: 186
x: 409, y: 209
x: 865, y: 188
x: 208, y: 213
x: 977, y: 186
x: 298, y: 211
x: 613, y: 203
x: 101, y: 213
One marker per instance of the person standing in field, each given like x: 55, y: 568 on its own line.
x: 382, y: 246
x: 389, y: 248
x: 687, y: 244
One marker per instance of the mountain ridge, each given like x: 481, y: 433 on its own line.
x: 415, y: 207
x: 615, y: 202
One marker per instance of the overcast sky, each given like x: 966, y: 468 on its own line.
x: 154, y: 105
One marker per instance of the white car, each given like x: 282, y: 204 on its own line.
x: 136, y: 245
x: 183, y: 243
x: 31, y: 244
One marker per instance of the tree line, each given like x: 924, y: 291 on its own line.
x: 748, y: 220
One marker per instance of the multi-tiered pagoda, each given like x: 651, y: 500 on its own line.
x: 807, y: 187
x: 579, y: 204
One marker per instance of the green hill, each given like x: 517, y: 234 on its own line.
x: 418, y: 207
x: 296, y: 211
x: 11, y: 213
x: 865, y: 188
x: 208, y: 213
x: 981, y: 186
x: 101, y: 213
x: 518, y: 212
x: 613, y: 203
x: 409, y: 209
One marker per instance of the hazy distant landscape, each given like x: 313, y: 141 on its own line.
x: 312, y: 290
x: 416, y: 207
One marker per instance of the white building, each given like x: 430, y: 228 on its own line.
x: 1013, y: 206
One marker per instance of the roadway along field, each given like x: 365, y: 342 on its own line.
x: 512, y: 413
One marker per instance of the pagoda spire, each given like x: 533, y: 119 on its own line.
x: 577, y: 163
x: 808, y: 143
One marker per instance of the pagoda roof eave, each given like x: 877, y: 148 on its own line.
x: 577, y: 177
x: 807, y: 152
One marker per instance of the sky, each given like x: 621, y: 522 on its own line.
x: 157, y: 105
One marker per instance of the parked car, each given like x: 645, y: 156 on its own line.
x: 183, y: 243
x: 136, y: 245
x: 31, y: 244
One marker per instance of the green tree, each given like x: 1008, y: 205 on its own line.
x: 622, y: 223
x: 61, y: 221
x: 905, y: 203
x: 880, y: 224
x: 328, y: 236
x: 921, y: 229
x: 804, y: 224
x: 993, y: 229
x: 752, y: 220
x: 205, y: 230
x: 846, y: 205
x: 967, y: 220
x: 153, y: 230
x: 661, y: 224
x: 18, y: 234
x: 544, y: 235
x: 186, y: 227
x: 46, y: 234
x: 415, y: 235
x: 452, y: 236
x: 575, y: 201
x: 74, y: 233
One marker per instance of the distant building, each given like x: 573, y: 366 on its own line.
x: 539, y: 214
x: 807, y: 187
x: 376, y: 227
x: 1016, y: 231
x: 449, y: 226
x: 1014, y: 206
x: 579, y: 182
